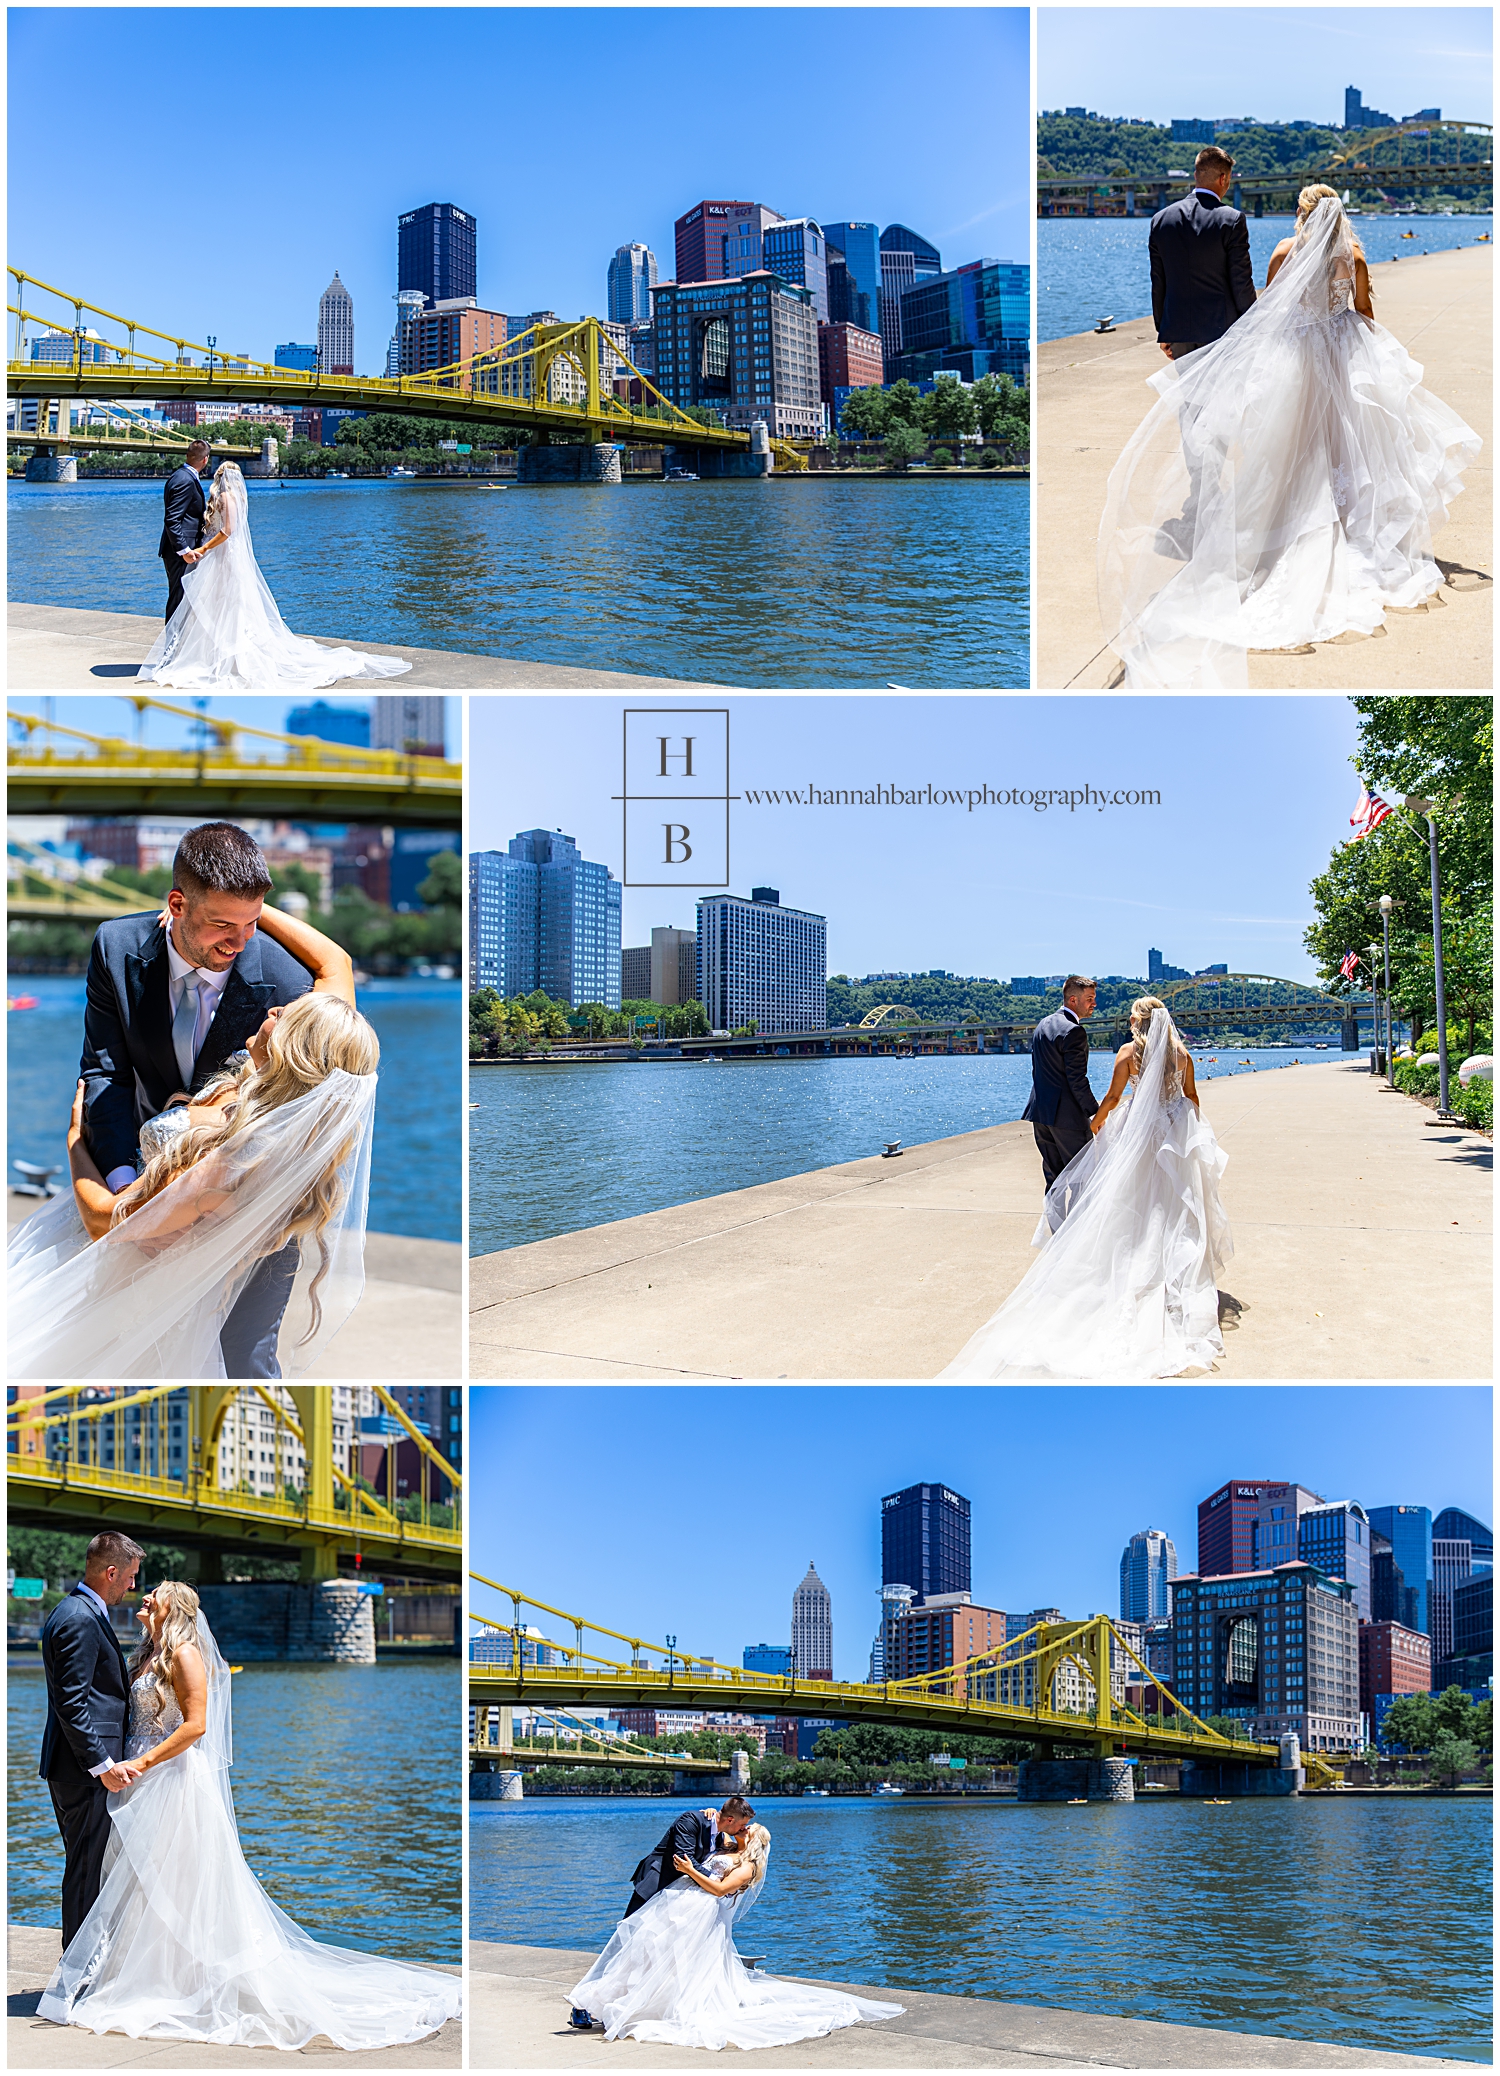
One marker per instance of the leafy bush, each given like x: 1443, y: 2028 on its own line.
x: 942, y: 458
x: 1475, y: 1104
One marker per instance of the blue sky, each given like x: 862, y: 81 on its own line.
x: 178, y: 193
x: 1255, y: 795
x: 1280, y: 64
x: 696, y: 1511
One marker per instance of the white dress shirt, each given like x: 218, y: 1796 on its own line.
x: 210, y: 992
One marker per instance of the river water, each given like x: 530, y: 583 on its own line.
x: 1345, y: 1921
x: 1093, y: 267
x: 347, y: 1786
x: 739, y: 582
x: 416, y: 1164
x: 621, y: 1137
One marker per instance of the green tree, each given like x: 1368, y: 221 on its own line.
x: 904, y: 403
x: 903, y: 443
x: 1453, y: 1711
x: 866, y: 412
x: 1409, y: 1722
x: 1451, y: 1757
x: 949, y: 410
x: 444, y: 885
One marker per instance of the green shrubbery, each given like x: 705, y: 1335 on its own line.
x: 1474, y: 1104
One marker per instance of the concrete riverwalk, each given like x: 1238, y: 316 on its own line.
x: 35, y: 2043
x: 1362, y: 1235
x: 1091, y: 395
x: 67, y: 649
x: 408, y: 1323
x: 517, y: 2017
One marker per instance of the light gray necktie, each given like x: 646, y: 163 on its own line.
x: 184, y: 1027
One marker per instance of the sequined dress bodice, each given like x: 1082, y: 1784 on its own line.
x: 150, y: 1719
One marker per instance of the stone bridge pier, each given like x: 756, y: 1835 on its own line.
x: 735, y: 1782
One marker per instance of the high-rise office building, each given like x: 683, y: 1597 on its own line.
x: 1474, y: 1616
x: 948, y: 1629
x: 1358, y: 117
x: 635, y: 973
x: 1391, y: 1599
x: 812, y: 1628
x: 924, y: 1540
x: 895, y: 1601
x: 349, y: 724
x: 1224, y: 1527
x: 437, y: 251
x: 858, y: 247
x: 972, y: 322
x: 715, y: 241
x: 303, y: 358
x: 759, y: 962
x: 664, y: 971
x: 1278, y: 1648
x: 412, y: 725
x: 1148, y: 1566
x: 1392, y: 1660
x: 1274, y: 1528
x: 848, y: 359
x: 905, y: 260
x: 632, y: 276
x: 1453, y: 1524
x: 772, y: 1658
x: 1336, y: 1538
x: 1452, y: 1564
x: 1408, y: 1530
x: 794, y: 249
x: 440, y: 335
x: 336, y: 329
x: 747, y: 348
x: 541, y: 915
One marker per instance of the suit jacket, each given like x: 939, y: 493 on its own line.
x: 185, y: 505
x: 1201, y: 278
x: 1060, y: 1093
x: 693, y: 1836
x: 88, y: 1688
x: 129, y: 1068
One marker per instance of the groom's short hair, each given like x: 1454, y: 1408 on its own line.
x: 737, y: 1806
x: 1076, y: 984
x: 197, y: 447
x: 1213, y: 159
x: 110, y: 1547
x: 219, y: 858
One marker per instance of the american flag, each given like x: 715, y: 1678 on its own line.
x: 1370, y: 812
x: 1348, y: 964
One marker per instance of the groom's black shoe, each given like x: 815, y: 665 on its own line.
x: 581, y: 2021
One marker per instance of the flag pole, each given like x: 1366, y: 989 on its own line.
x: 1425, y: 807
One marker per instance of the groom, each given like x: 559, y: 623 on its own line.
x: 165, y: 1009
x: 182, y: 522
x: 1201, y: 277
x: 1061, y: 1101
x: 88, y: 1707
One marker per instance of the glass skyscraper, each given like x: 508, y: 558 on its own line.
x: 905, y: 259
x: 1408, y: 1530
x: 543, y: 916
x: 860, y: 245
x: 1336, y: 1538
x: 924, y: 1540
x: 971, y: 322
x: 794, y: 250
x: 632, y: 276
x: 437, y: 251
x: 1147, y: 1565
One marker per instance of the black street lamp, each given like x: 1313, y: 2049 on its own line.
x: 1425, y: 808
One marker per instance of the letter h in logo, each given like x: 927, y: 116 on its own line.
x: 675, y: 797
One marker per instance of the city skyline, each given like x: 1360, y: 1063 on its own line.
x: 965, y: 186
x: 1425, y: 1445
x: 1132, y: 61
x: 1050, y: 892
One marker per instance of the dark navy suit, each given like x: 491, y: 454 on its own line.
x: 694, y: 1836
x: 1201, y: 277
x: 1061, y: 1101
x: 88, y: 1705
x: 130, y: 1072
x: 182, y: 524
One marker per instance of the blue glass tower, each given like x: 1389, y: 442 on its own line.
x: 1148, y: 1564
x: 1409, y: 1533
x: 860, y: 245
x: 1336, y: 1538
x: 543, y: 916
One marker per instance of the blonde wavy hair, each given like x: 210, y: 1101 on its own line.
x: 1308, y: 201
x: 315, y: 1036
x: 179, y: 1627
x: 1142, y: 1010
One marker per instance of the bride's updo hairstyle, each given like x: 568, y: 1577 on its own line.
x: 179, y: 1627
x: 1142, y: 1009
x: 1308, y: 201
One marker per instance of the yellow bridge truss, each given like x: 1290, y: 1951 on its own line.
x: 1009, y: 1692
x: 56, y: 1478
x: 516, y: 386
x: 584, y: 1746
x: 82, y: 773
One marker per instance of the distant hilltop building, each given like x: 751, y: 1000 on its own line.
x: 1192, y: 130
x: 1358, y: 117
x: 812, y: 1628
x: 336, y: 329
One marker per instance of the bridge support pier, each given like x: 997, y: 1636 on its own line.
x: 735, y: 1782
x: 539, y: 463
x: 1074, y: 1780
x: 328, y: 1621
x: 51, y: 468
x: 495, y: 1787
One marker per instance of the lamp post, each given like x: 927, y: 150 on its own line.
x: 1386, y: 905
x: 1425, y: 808
x: 1374, y: 951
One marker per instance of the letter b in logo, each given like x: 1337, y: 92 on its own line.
x: 678, y: 849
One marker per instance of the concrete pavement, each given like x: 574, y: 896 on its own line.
x: 409, y: 1322
x: 518, y: 2019
x: 66, y: 649
x: 35, y: 2043
x: 1363, y: 1237
x: 1091, y: 395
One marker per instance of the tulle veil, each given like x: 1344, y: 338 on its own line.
x: 1283, y: 489
x: 148, y: 1298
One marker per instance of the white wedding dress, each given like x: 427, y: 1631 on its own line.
x: 227, y: 635
x: 149, y: 1298
x: 1132, y: 1240
x: 184, y: 1943
x: 670, y: 1974
x: 1285, y: 488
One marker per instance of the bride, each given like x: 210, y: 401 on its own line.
x: 276, y: 1151
x: 1286, y: 487
x: 227, y: 634
x: 1132, y: 1236
x: 670, y: 1972
x: 183, y: 1942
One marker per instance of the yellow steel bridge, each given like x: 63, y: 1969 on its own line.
x: 572, y: 1742
x: 57, y: 1478
x: 59, y: 769
x: 1008, y: 1693
x: 552, y: 381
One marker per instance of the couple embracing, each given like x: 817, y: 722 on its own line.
x: 167, y: 1935
x: 219, y: 1145
x: 670, y: 1974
